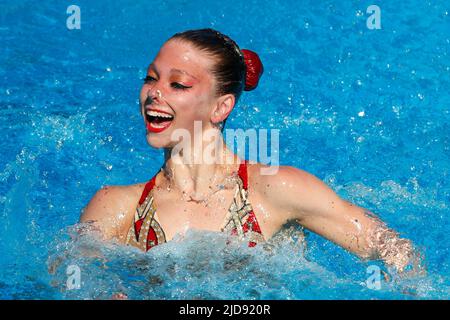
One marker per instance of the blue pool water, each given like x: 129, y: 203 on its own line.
x: 367, y: 111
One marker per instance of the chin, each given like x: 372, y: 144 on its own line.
x: 159, y: 142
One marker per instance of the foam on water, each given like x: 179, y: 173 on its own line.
x: 207, y: 265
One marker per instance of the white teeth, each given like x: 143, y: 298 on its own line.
x: 158, y: 114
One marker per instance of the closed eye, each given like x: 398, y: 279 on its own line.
x: 148, y: 79
x: 177, y: 85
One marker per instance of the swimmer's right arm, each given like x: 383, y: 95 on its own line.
x: 100, y: 219
x: 109, y: 212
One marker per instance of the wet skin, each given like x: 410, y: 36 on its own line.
x: 179, y: 82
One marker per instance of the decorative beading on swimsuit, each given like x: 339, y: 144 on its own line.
x: 145, y: 224
x: 146, y: 232
x: 241, y: 219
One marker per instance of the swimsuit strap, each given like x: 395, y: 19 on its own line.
x: 241, y: 220
x: 146, y: 232
x: 148, y: 187
x: 242, y: 172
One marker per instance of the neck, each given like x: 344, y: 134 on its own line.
x: 198, y: 178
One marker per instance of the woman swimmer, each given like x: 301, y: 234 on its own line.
x: 197, y: 77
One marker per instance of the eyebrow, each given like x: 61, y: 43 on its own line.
x: 185, y: 72
x: 153, y: 66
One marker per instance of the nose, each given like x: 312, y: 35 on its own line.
x: 155, y: 94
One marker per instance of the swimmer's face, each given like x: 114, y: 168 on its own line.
x: 182, y: 89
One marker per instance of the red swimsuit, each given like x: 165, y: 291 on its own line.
x: 146, y: 232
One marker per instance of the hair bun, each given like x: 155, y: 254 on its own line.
x: 254, y: 69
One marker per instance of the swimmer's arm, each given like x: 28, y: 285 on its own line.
x: 318, y: 208
x: 109, y: 212
x: 97, y: 220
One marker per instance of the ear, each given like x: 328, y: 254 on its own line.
x: 222, y: 108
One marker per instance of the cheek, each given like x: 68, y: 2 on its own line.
x: 187, y: 105
x: 142, y: 94
x: 142, y: 97
x: 198, y: 104
x: 197, y: 112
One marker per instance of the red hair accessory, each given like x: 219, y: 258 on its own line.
x: 254, y: 69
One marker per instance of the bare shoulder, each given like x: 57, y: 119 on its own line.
x: 111, y: 198
x: 289, y: 187
x: 264, y: 177
x: 112, y: 208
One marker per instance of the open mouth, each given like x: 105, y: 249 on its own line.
x: 157, y: 120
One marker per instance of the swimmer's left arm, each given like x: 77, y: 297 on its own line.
x: 318, y: 208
